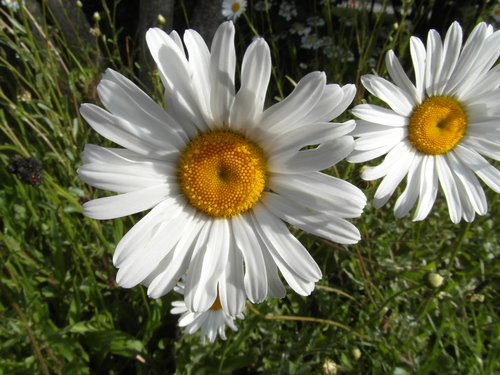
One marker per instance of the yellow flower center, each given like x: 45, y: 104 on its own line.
x: 216, y: 305
x: 222, y: 173
x: 437, y: 125
x: 235, y: 7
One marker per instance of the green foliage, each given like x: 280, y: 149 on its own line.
x: 61, y: 311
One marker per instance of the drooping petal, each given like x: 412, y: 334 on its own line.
x: 273, y: 230
x: 256, y: 284
x: 330, y: 227
x: 231, y: 286
x: 209, y: 261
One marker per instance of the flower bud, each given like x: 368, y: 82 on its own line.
x: 433, y: 280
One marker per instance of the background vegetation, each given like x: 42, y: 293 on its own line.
x: 61, y: 311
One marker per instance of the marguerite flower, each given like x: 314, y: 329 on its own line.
x: 212, y: 322
x: 438, y: 129
x: 219, y: 173
x: 232, y: 9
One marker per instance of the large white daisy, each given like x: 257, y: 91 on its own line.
x: 211, y: 323
x: 438, y: 129
x: 219, y: 173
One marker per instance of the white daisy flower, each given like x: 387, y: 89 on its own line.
x: 12, y: 4
x: 211, y: 322
x: 437, y: 129
x: 232, y: 9
x: 219, y: 173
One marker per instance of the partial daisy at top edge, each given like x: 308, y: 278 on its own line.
x: 219, y: 174
x: 232, y: 9
x: 438, y: 130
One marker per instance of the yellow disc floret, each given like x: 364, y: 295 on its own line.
x: 222, y: 173
x: 216, y: 305
x: 437, y: 125
x: 235, y: 6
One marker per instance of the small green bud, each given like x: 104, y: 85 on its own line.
x: 161, y: 20
x: 96, y: 17
x: 356, y: 353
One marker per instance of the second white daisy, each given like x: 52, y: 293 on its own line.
x: 437, y: 130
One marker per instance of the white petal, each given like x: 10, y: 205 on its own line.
x: 418, y: 54
x: 407, y: 199
x: 398, y: 99
x: 320, y: 192
x: 333, y: 103
x: 433, y: 62
x: 310, y: 134
x: 472, y: 188
x: 394, y: 176
x: 451, y: 52
x: 126, y: 134
x: 208, y: 262
x: 391, y: 136
x: 246, y: 240
x: 428, y: 187
x: 126, y: 204
x: 379, y: 115
x: 166, y: 276
x: 399, y: 76
x: 138, y: 255
x: 330, y: 227
x: 295, y: 106
x: 359, y: 156
x: 222, y: 68
x: 312, y: 160
x: 231, y: 287
x: 272, y: 229
x: 488, y: 173
x: 122, y: 170
x: 125, y: 100
x: 391, y: 162
x: 175, y: 69
x: 199, y: 61
x: 255, y: 76
x: 450, y: 190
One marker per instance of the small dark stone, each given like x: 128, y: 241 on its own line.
x: 28, y: 170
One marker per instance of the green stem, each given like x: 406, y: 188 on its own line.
x: 458, y: 244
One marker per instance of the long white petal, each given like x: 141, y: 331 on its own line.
x: 246, y: 240
x: 222, y: 69
x: 285, y: 244
x: 312, y: 160
x: 231, y: 286
x: 255, y: 76
x: 449, y: 185
x: 295, y: 106
x: 208, y: 262
x: 330, y: 227
x: 126, y: 204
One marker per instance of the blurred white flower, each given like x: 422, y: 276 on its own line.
x: 287, y: 10
x: 11, y: 4
x: 232, y: 9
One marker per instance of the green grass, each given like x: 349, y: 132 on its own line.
x: 61, y: 311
